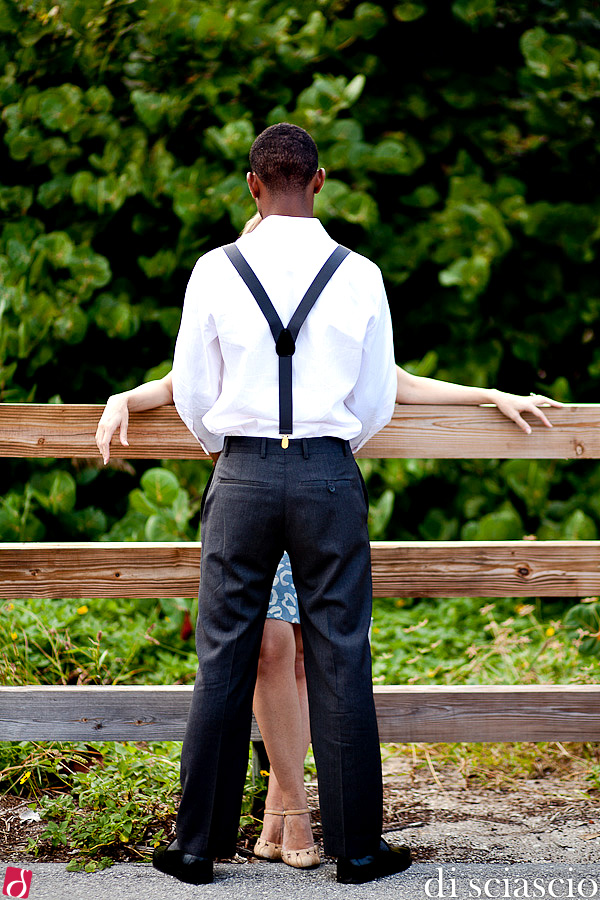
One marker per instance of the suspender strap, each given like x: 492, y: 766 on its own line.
x: 285, y: 338
x: 258, y: 291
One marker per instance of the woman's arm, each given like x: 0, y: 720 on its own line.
x: 117, y: 409
x: 417, y: 389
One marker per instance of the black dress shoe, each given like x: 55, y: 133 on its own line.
x: 387, y: 860
x: 184, y: 866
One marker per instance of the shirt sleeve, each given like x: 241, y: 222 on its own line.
x: 198, y: 363
x: 374, y: 395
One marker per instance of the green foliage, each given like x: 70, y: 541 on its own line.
x: 483, y: 499
x: 49, y: 499
x: 473, y: 186
x: 167, y: 506
x: 114, y: 804
x: 102, y: 801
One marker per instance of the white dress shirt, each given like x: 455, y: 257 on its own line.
x: 226, y: 370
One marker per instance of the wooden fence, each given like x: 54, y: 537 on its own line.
x: 419, y: 568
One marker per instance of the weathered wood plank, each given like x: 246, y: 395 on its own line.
x: 488, y: 713
x: 486, y: 568
x: 416, y: 431
x: 59, y: 431
x: 481, y: 432
x: 87, y: 570
x: 400, y: 569
x: 411, y: 713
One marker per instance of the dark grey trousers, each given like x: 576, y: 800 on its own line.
x: 310, y: 500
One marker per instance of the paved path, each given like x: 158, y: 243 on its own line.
x: 274, y: 881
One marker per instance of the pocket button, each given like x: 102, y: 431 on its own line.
x: 331, y: 487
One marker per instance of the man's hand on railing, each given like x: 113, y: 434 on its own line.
x: 512, y: 405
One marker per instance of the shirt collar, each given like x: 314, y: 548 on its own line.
x: 289, y: 222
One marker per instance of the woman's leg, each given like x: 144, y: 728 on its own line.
x: 301, y: 688
x: 281, y: 710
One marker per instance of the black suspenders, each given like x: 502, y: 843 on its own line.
x: 285, y: 338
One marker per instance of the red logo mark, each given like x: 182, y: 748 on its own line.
x: 17, y: 882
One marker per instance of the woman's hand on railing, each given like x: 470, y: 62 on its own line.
x: 116, y: 412
x: 115, y: 415
x: 512, y: 405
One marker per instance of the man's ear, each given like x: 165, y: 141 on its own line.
x: 253, y: 185
x: 319, y: 180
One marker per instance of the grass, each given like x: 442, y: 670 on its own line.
x: 101, y: 641
x: 475, y: 641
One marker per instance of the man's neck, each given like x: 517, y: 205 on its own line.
x: 294, y: 205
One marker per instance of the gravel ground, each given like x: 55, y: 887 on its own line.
x: 547, y: 821
x: 265, y: 881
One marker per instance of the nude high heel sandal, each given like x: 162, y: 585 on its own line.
x: 301, y: 859
x: 267, y: 849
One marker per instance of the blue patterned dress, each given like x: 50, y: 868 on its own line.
x: 284, y: 600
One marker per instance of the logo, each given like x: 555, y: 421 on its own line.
x: 17, y: 882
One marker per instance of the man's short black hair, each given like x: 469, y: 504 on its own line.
x: 284, y: 157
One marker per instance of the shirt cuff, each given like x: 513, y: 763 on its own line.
x: 210, y: 443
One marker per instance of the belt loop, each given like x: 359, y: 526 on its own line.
x: 304, y: 448
x: 263, y: 447
x: 345, y: 447
x: 226, y: 446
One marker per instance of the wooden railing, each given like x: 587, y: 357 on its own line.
x: 419, y: 568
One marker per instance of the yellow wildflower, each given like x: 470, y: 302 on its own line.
x: 400, y: 602
x: 264, y: 773
x: 24, y: 778
x: 550, y: 631
x: 81, y: 611
x: 14, y: 635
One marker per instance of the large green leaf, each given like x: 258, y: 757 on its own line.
x: 582, y: 623
x: 234, y: 139
x: 154, y: 109
x: 56, y: 491
x: 162, y: 527
x: 408, y: 12
x: 547, y: 55
x: 380, y: 512
x: 61, y: 107
x: 579, y: 527
x: 504, y: 524
x: 160, y: 486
